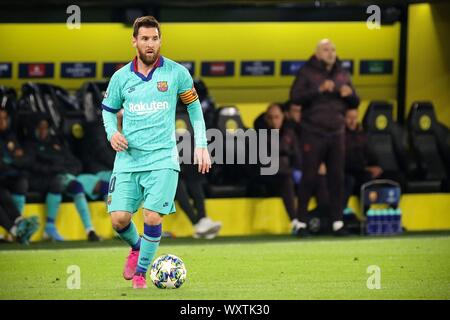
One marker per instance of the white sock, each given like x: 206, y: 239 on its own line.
x: 337, y: 225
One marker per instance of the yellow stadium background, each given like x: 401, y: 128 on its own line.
x: 274, y: 41
x: 428, y: 69
x: 428, y: 54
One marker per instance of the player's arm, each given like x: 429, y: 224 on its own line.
x: 189, y: 97
x: 112, y: 104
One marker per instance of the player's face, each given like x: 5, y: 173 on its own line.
x: 351, y: 119
x: 147, y: 44
x: 3, y: 121
x: 327, y: 53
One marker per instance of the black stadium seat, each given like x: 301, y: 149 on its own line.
x: 90, y: 97
x: 428, y: 140
x: 229, y: 180
x: 65, y: 113
x: 8, y: 101
x: 385, y: 137
x: 8, y: 98
x: 389, y: 143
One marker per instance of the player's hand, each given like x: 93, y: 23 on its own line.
x: 201, y: 156
x: 118, y: 142
x: 346, y: 91
x: 327, y: 85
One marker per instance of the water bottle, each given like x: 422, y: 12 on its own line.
x: 390, y: 221
x: 394, y: 222
x: 383, y: 221
x: 398, y: 220
x: 377, y: 221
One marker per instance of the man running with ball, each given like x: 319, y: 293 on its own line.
x: 146, y: 166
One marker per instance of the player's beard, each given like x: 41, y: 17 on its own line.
x: 148, y: 59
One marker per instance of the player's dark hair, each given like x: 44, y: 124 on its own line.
x: 146, y: 21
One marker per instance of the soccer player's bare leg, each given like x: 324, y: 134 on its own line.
x: 126, y: 229
x: 149, y: 246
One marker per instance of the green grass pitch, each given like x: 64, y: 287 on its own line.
x: 281, y: 267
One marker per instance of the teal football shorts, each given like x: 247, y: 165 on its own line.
x: 155, y: 188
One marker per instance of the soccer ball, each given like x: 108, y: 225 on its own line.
x: 168, y: 272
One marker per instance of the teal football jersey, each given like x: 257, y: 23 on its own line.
x: 149, y: 105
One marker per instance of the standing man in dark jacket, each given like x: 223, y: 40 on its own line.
x: 324, y: 90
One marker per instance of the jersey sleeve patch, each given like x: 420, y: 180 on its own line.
x: 189, y: 96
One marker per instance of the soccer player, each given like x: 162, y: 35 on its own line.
x: 146, y: 166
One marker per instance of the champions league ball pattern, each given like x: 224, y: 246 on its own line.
x: 168, y: 272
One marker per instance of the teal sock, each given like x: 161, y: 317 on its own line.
x: 130, y: 235
x: 52, y: 201
x: 347, y: 210
x: 19, y: 200
x: 149, y: 244
x: 83, y: 210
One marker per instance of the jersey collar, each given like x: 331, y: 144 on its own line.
x: 134, y: 68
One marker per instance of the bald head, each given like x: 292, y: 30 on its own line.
x: 326, y: 52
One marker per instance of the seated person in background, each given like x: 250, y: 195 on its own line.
x: 20, y: 228
x: 189, y: 183
x: 12, y: 163
x: 52, y: 171
x: 289, y: 173
x: 360, y: 164
x: 292, y: 116
x: 261, y: 121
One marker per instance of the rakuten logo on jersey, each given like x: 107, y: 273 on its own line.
x: 146, y: 108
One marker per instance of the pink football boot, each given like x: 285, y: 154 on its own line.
x: 130, y: 265
x: 139, y: 282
